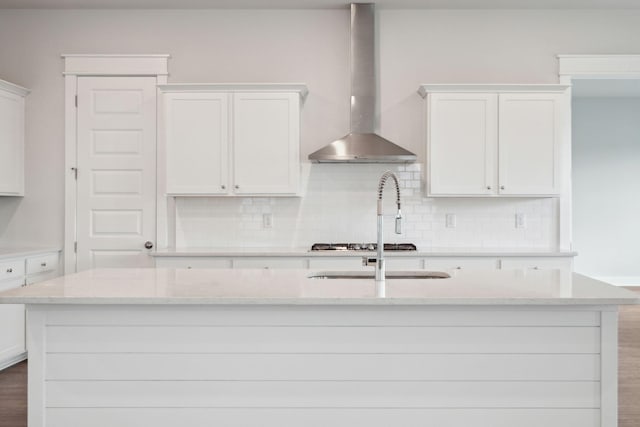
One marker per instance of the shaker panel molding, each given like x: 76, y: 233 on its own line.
x: 12, y: 123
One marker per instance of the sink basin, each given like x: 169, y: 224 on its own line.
x: 371, y: 275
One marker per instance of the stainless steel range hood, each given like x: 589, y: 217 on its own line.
x: 362, y: 144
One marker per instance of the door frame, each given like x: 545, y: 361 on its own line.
x: 574, y: 67
x: 95, y: 65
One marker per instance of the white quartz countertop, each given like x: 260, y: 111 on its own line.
x: 293, y: 287
x: 21, y: 251
x: 306, y: 252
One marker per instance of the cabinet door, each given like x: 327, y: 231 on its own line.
x: 462, y: 143
x: 11, y: 144
x: 266, y: 143
x: 12, y: 339
x: 529, y: 143
x: 196, y: 135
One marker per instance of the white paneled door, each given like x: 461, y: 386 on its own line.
x: 116, y: 188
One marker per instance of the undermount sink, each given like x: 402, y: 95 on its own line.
x: 371, y: 275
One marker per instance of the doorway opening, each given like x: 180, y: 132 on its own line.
x: 606, y: 178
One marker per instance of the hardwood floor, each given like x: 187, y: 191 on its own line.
x: 13, y: 381
x: 629, y: 366
x: 13, y: 396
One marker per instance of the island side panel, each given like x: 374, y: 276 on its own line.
x: 318, y: 365
x: 36, y: 348
x: 609, y: 367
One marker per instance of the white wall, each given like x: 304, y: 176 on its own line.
x: 606, y: 187
x: 309, y: 46
x: 205, y: 45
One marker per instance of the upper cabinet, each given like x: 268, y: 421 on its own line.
x: 12, y: 139
x: 232, y: 139
x: 494, y: 140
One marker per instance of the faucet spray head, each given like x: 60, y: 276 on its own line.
x: 399, y: 222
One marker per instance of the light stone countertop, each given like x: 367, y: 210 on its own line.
x: 293, y: 287
x: 306, y: 252
x: 22, y: 251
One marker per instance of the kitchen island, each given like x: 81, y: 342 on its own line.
x: 160, y: 347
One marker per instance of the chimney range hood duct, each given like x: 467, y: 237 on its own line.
x: 362, y: 144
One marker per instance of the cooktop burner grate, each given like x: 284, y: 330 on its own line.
x: 362, y: 247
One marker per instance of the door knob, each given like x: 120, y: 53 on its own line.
x: 148, y: 244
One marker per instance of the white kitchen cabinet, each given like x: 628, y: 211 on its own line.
x: 536, y: 263
x: 12, y: 319
x: 266, y: 143
x: 354, y: 263
x: 12, y: 139
x: 197, y: 137
x: 529, y: 140
x: 462, y: 143
x: 270, y: 262
x: 15, y: 272
x: 494, y: 140
x: 232, y: 140
x: 461, y: 263
x: 193, y: 262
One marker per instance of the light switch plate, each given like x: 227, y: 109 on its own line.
x: 521, y: 220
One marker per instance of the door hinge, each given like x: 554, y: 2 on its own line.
x: 75, y: 247
x: 76, y: 101
x: 75, y: 173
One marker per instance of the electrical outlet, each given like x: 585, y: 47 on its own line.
x: 521, y: 220
x: 267, y: 220
x: 450, y: 220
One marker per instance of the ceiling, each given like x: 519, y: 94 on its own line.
x: 317, y: 4
x: 604, y: 88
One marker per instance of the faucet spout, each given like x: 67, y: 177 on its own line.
x: 380, y: 262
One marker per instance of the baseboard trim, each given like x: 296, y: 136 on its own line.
x: 13, y: 360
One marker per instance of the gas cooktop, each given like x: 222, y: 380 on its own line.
x: 362, y: 247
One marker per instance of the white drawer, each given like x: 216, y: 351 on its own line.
x: 537, y: 263
x: 461, y: 263
x: 11, y: 269
x: 277, y: 263
x: 42, y: 263
x: 192, y: 262
x: 355, y: 263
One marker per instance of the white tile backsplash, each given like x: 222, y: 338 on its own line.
x: 338, y: 204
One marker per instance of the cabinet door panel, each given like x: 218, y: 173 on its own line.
x: 11, y: 144
x: 462, y: 141
x: 529, y: 143
x: 196, y: 142
x: 12, y: 339
x: 266, y: 143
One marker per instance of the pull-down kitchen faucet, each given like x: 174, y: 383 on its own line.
x: 380, y: 267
